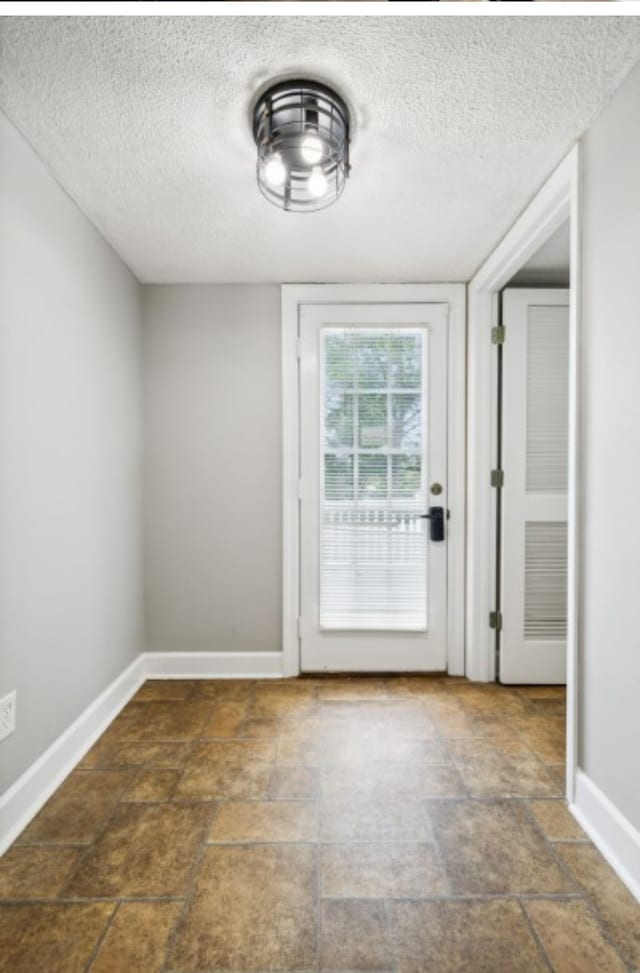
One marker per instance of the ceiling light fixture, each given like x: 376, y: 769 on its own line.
x: 301, y: 129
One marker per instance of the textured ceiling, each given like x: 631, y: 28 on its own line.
x: 145, y: 122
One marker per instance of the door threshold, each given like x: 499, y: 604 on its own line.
x: 350, y: 674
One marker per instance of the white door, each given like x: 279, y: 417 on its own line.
x: 535, y: 425
x: 373, y: 401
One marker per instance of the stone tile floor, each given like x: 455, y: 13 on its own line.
x: 348, y: 824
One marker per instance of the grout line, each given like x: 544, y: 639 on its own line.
x: 536, y: 938
x: 569, y: 841
x: 390, y: 929
x: 188, y: 892
x: 82, y: 900
x: 438, y: 850
x: 318, y: 906
x: 182, y: 770
x: 469, y: 897
x: 604, y: 931
x: 563, y: 869
x: 444, y: 897
x: 94, y: 953
x: 596, y: 915
x: 81, y: 846
x: 98, y: 835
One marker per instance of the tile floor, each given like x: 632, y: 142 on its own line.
x: 344, y: 824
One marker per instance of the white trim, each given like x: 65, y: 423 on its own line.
x: 212, y: 665
x: 557, y: 200
x: 292, y: 296
x: 457, y: 436
x: 290, y: 484
x: 611, y: 832
x: 22, y: 801
x: 574, y: 577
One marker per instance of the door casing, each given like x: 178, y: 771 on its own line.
x: 557, y: 201
x: 294, y: 295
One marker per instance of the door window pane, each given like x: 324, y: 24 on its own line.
x: 338, y: 477
x: 372, y: 421
x: 372, y: 355
x: 407, y: 421
x: 339, y: 360
x: 373, y: 544
x: 405, y: 359
x: 338, y: 420
x: 372, y: 476
x: 406, y: 476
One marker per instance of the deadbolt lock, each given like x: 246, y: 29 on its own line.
x: 436, y: 489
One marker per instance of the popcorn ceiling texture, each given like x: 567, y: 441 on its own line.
x: 458, y: 121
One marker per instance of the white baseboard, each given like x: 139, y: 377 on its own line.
x: 613, y: 835
x: 22, y: 801
x: 212, y: 665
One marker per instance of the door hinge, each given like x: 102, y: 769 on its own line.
x: 299, y: 489
x: 497, y: 478
x: 495, y: 620
x: 298, y: 348
x: 299, y: 620
x: 497, y: 335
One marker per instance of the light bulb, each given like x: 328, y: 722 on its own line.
x: 317, y: 182
x: 274, y: 171
x: 311, y: 149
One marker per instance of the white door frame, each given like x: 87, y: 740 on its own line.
x: 557, y: 201
x: 293, y: 295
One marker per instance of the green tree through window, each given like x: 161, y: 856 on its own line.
x: 372, y: 414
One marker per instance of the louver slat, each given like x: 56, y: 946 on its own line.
x: 547, y: 400
x: 545, y: 595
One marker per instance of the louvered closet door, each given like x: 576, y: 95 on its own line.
x: 373, y: 441
x: 535, y: 426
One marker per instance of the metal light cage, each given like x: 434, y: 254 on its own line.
x: 287, y: 119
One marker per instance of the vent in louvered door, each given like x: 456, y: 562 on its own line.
x: 547, y: 400
x: 545, y: 580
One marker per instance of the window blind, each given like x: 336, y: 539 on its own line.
x: 373, y: 545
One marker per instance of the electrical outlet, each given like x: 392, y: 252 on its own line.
x: 7, y: 714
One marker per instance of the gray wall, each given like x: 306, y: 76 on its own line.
x: 212, y: 469
x: 610, y: 644
x: 69, y: 457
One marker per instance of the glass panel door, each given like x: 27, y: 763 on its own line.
x: 373, y: 394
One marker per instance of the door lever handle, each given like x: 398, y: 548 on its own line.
x: 436, y: 522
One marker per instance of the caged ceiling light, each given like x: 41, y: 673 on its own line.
x: 301, y: 129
